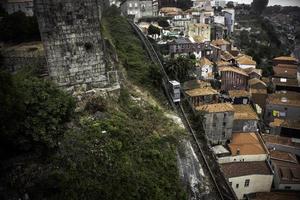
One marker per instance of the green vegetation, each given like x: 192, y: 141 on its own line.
x: 152, y: 30
x: 130, y: 50
x: 17, y: 27
x: 116, y: 148
x: 179, y: 68
x: 33, y: 114
x: 184, y: 4
x: 258, y: 6
x: 262, y: 43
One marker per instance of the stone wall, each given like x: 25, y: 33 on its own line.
x: 30, y: 54
x: 218, y: 127
x: 70, y: 31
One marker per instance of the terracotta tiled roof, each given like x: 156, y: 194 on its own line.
x: 289, y: 173
x: 223, y: 63
x: 255, y: 81
x: 258, y: 91
x: 244, y: 112
x: 253, y: 70
x: 214, y: 108
x: 287, y: 98
x: 245, y: 60
x: 170, y: 10
x: 292, y: 124
x: 266, y: 80
x: 284, y: 156
x: 246, y: 144
x: 201, y: 92
x: 199, y: 25
x: 238, y: 93
x: 276, y: 196
x: 193, y: 84
x: 286, y: 58
x: 233, y: 69
x: 275, y: 139
x: 189, y: 11
x: 237, y: 169
x: 225, y: 55
x: 204, y: 61
x: 220, y: 42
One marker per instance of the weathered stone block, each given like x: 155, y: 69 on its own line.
x: 70, y: 31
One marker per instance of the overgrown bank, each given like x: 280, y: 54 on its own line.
x: 116, y: 148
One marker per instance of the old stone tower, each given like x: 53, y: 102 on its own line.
x: 70, y: 31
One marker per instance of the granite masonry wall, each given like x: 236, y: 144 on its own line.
x: 74, y: 47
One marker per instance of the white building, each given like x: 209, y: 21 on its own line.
x: 219, y: 20
x: 115, y: 2
x: 139, y: 9
x: 181, y: 21
x: 12, y: 6
x: 248, y: 177
x: 201, y: 4
x: 218, y: 3
x: 205, y: 69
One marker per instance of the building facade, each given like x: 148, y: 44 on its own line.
x: 25, y: 6
x: 138, y: 9
x: 233, y: 79
x: 245, y: 119
x: 287, y: 171
x: 248, y: 177
x: 200, y: 32
x: 204, y: 69
x: 218, y: 121
x: 282, y: 105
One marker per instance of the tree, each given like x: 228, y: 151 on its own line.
x: 230, y: 4
x: 258, y: 6
x: 184, y: 4
x: 179, y: 68
x: 33, y: 114
x: 163, y: 23
x: 153, y: 30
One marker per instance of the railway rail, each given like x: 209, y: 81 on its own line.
x: 221, y: 186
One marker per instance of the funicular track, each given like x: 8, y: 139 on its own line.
x: 221, y: 188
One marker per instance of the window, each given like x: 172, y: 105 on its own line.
x: 130, y: 5
x: 247, y: 181
x: 223, y: 134
x: 224, y: 123
x: 237, y: 186
x: 230, y: 183
x: 287, y: 187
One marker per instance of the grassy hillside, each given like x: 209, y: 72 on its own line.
x: 117, y: 147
